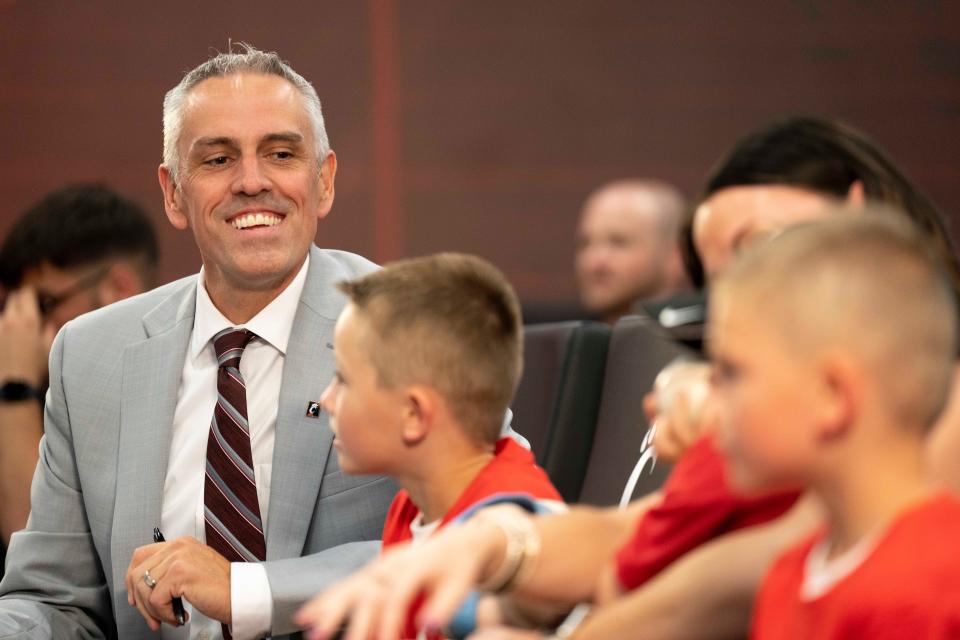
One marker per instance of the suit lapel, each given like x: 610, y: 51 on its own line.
x: 302, y: 443
x: 151, y: 380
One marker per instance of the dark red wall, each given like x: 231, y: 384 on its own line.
x: 480, y: 126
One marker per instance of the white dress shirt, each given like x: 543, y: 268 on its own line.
x: 182, y: 515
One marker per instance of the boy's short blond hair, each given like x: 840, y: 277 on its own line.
x: 450, y: 321
x: 867, y: 283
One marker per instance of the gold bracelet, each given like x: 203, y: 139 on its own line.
x: 522, y: 540
x: 530, y: 552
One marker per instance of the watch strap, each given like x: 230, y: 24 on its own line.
x: 18, y: 391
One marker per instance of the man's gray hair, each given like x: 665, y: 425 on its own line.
x: 252, y: 60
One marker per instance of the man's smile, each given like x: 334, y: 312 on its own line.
x: 257, y: 219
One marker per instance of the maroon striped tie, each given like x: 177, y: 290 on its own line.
x: 231, y: 508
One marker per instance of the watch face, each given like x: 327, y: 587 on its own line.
x: 16, y: 391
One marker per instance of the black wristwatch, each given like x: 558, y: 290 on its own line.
x: 18, y: 391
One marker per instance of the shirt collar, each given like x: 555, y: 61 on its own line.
x: 272, y: 324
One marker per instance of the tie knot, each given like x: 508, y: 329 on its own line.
x: 229, y: 345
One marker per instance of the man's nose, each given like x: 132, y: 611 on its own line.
x: 595, y: 258
x: 250, y: 179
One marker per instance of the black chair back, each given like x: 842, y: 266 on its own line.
x: 639, y: 349
x: 558, y: 398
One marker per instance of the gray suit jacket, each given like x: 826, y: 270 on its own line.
x: 114, y: 377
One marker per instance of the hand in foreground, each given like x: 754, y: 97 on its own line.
x: 377, y: 599
x: 682, y: 411
x: 185, y: 568
x: 24, y: 339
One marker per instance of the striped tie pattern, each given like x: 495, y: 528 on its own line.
x: 231, y: 508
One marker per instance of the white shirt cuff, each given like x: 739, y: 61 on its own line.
x: 250, y: 600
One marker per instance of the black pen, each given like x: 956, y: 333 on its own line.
x: 177, y: 602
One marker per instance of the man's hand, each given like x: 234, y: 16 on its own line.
x: 24, y: 339
x: 185, y: 568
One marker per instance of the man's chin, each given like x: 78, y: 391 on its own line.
x: 265, y: 275
x: 601, y: 307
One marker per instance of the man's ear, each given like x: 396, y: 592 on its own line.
x: 841, y: 396
x: 420, y: 409
x: 171, y: 199
x: 327, y: 176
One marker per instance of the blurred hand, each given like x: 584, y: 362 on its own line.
x: 24, y: 339
x: 377, y: 599
x: 681, y: 422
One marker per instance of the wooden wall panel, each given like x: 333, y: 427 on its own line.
x: 480, y: 126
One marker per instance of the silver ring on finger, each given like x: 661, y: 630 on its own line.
x: 148, y: 579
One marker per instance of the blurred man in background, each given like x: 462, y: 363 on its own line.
x: 627, y: 247
x: 77, y: 249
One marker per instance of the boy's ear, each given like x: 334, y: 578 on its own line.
x: 419, y: 411
x: 840, y: 398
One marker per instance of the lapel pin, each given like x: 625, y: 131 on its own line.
x: 313, y: 409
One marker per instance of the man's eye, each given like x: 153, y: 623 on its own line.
x: 217, y: 161
x: 282, y: 155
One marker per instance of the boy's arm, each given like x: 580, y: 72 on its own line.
x: 486, y: 611
x: 706, y: 595
x: 568, y: 570
x: 565, y: 558
x: 520, y: 614
x: 456, y: 559
x: 709, y: 592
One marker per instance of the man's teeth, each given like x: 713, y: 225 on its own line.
x: 256, y: 219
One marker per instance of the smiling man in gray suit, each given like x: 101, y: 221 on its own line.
x: 138, y: 389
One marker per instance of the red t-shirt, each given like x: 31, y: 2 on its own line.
x: 512, y: 470
x: 697, y: 506
x: 908, y: 585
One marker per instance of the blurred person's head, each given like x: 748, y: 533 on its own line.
x: 248, y: 168
x: 627, y: 246
x: 830, y: 339
x: 423, y: 344
x: 80, y: 247
x: 796, y: 170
